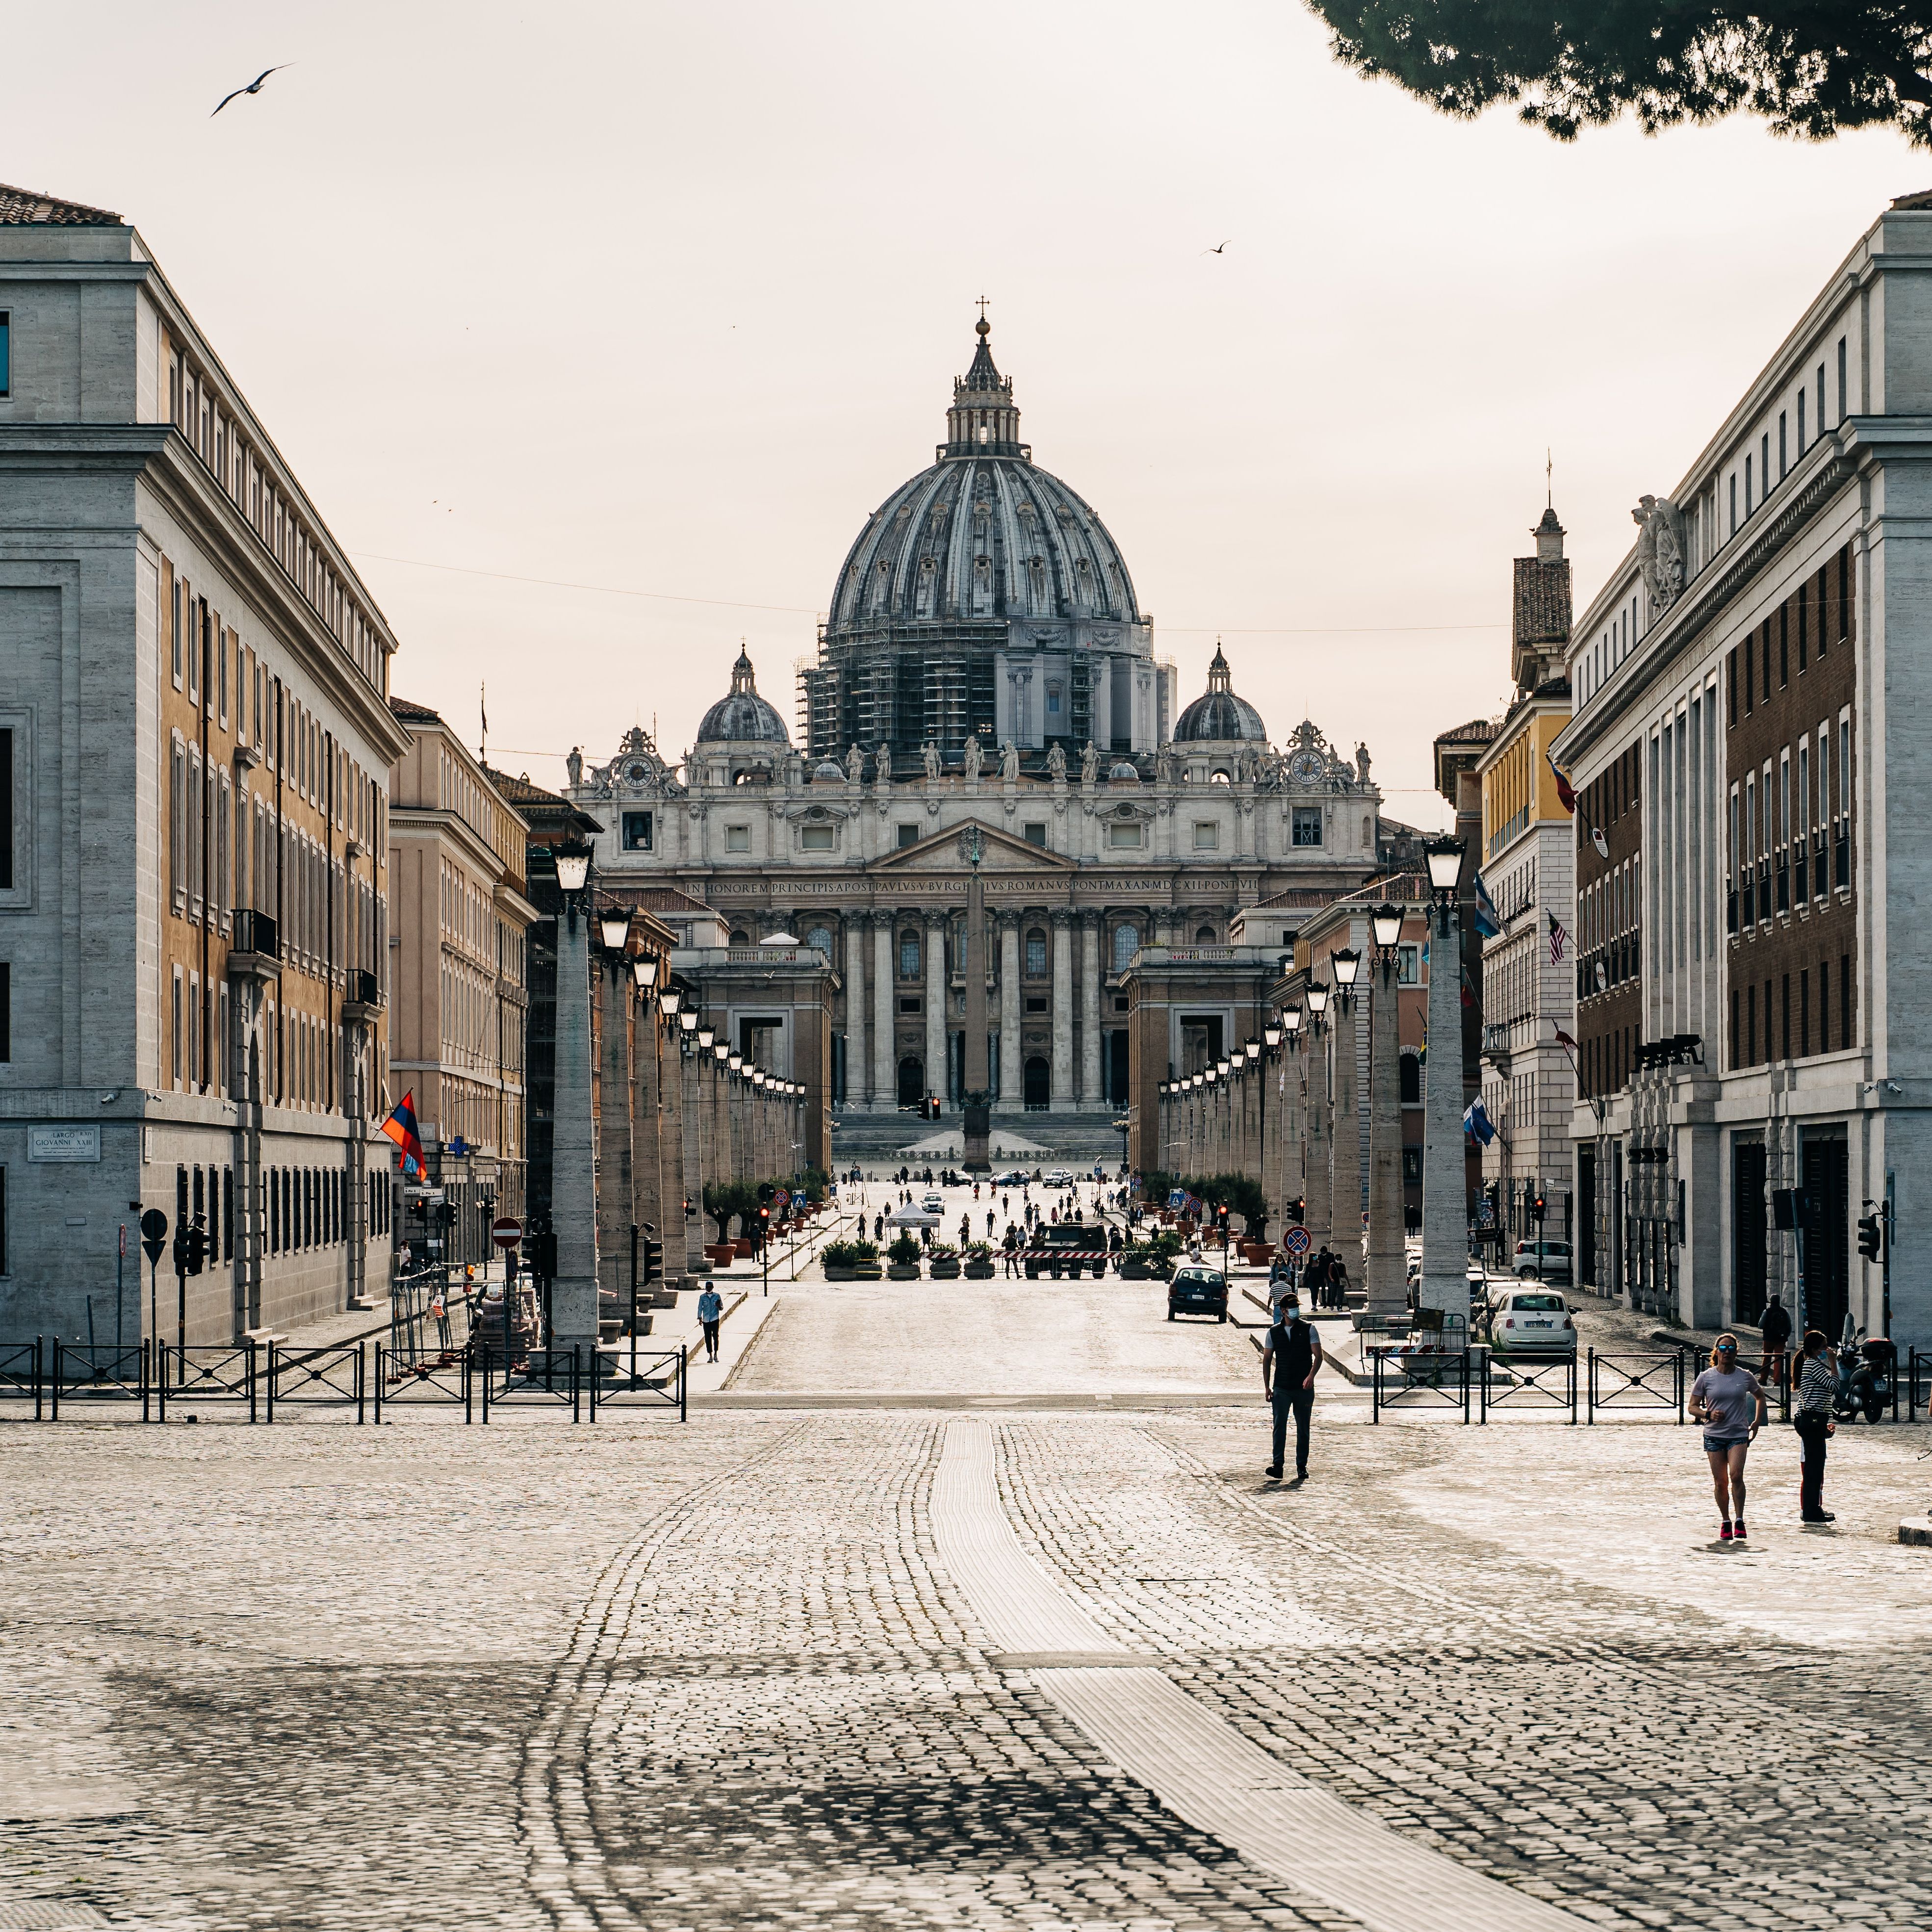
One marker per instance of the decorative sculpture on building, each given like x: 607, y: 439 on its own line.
x: 635, y: 771
x: 855, y: 767
x: 932, y: 762
x: 1009, y: 762
x: 972, y: 760
x: 1361, y: 764
x: 1662, y: 554
x: 574, y: 765
x: 1163, y: 765
x: 1056, y: 759
x: 1090, y: 764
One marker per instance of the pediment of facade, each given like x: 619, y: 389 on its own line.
x: 945, y: 853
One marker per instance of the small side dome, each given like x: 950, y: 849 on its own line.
x: 1218, y: 716
x: 1124, y: 773
x: 830, y: 772
x: 742, y: 717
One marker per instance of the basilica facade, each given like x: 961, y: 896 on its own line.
x: 986, y: 665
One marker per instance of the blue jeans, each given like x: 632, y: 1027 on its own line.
x: 1300, y: 1403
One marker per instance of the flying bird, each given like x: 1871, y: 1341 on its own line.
x: 1216, y: 249
x: 254, y: 87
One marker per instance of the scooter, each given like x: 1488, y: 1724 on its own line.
x: 1867, y: 1369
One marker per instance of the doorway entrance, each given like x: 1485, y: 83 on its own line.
x: 1039, y: 1085
x: 912, y: 1081
x: 1827, y: 1258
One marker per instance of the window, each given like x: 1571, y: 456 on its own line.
x: 1124, y: 834
x: 912, y: 1004
x: 1841, y: 380
x: 1748, y: 498
x: 1204, y: 935
x: 815, y: 837
x: 821, y: 938
x: 1307, y: 825
x: 1206, y: 835
x: 1409, y: 969
x: 637, y: 831
x: 1053, y: 700
x: 908, y: 955
x: 6, y: 388
x: 1801, y: 421
x: 6, y: 1012
x: 175, y: 621
x: 1036, y: 1003
x: 1036, y: 950
x: 1781, y: 463
x: 1125, y: 939
x: 908, y: 835
x: 1036, y: 832
x: 1409, y: 1075
x: 737, y: 837
x: 6, y: 810
x: 1734, y: 502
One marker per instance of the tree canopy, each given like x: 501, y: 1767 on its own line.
x: 1810, y: 67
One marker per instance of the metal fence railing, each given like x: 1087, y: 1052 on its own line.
x: 317, y: 1378
x: 552, y: 1377
x: 88, y: 1373
x: 206, y: 1375
x: 640, y: 1381
x: 22, y: 1371
x: 1619, y: 1382
x: 1522, y: 1382
x: 402, y: 1383
x: 1406, y: 1378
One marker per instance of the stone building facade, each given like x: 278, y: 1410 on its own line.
x: 460, y: 1006
x: 194, y: 882
x: 1109, y: 823
x: 1751, y: 768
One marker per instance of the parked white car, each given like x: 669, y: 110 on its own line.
x: 1531, y: 1321
x: 1547, y: 1260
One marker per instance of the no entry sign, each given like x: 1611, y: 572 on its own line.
x: 506, y: 1231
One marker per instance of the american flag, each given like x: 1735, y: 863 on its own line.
x: 1558, y: 939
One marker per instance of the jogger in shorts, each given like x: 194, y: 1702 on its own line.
x: 1729, y: 1403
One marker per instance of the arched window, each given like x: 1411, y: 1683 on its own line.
x: 1204, y: 935
x: 1126, y: 938
x: 1410, y: 1075
x: 739, y: 938
x: 1035, y: 949
x: 820, y: 936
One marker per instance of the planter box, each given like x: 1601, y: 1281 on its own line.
x: 945, y: 1270
x: 895, y: 1273
x: 979, y: 1270
x: 1134, y: 1271
x: 841, y: 1274
x: 744, y: 1248
x: 720, y: 1254
x: 868, y: 1271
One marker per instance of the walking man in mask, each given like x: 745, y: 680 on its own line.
x: 1290, y: 1361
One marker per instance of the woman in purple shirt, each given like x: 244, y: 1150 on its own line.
x: 1729, y: 1403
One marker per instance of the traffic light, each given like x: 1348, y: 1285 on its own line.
x: 445, y: 1214
x: 1536, y: 1206
x: 1298, y: 1209
x: 194, y: 1247
x: 651, y: 1254
x: 1871, y: 1240
x: 764, y: 1227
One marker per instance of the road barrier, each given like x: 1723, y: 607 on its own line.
x: 444, y: 1380
x: 201, y: 1375
x: 1618, y: 1382
x: 545, y: 1376
x: 641, y: 1381
x: 22, y: 1366
x: 1414, y: 1379
x: 88, y: 1373
x: 317, y: 1378
x: 1515, y: 1382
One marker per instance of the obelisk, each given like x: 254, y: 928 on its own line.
x: 977, y: 1101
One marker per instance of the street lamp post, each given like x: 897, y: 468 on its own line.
x: 1445, y: 1205
x: 1321, y: 1187
x: 574, y: 1287
x: 1344, y: 1142
x: 1385, y: 1276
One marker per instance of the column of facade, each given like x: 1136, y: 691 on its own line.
x: 614, y: 1150
x: 885, y: 1072
x: 573, y: 1197
x: 935, y: 1006
x: 647, y: 1144
x: 1062, y: 1095
x: 1090, y: 996
x: 1012, y: 1081
x: 1320, y: 1130
x: 858, y: 1066
x: 1344, y: 1142
x: 1385, y: 1274
x: 682, y: 1080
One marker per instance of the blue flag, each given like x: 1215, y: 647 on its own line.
x: 1489, y: 921
x: 1476, y: 1121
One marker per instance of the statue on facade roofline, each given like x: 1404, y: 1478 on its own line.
x: 1163, y: 764
x: 1090, y: 764
x: 972, y: 765
x: 1662, y: 556
x: 574, y: 764
x: 855, y: 765
x: 1009, y: 762
x: 1361, y: 764
x: 932, y: 762
x: 1056, y: 759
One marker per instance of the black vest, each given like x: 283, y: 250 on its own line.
x: 1294, y: 1354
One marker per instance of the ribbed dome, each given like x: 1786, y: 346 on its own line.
x: 983, y: 535
x: 1218, y: 716
x: 743, y: 716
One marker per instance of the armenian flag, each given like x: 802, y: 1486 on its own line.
x: 400, y: 1127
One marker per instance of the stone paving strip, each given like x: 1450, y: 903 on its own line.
x: 1198, y: 1765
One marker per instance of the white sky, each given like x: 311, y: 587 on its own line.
x: 668, y: 299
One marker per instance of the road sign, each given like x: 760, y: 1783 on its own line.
x: 154, y: 1234
x: 1296, y: 1240
x: 1486, y: 1214
x: 781, y: 1200
x: 506, y: 1231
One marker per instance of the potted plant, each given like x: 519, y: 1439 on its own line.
x: 849, y: 1261
x: 1161, y: 1251
x: 903, y: 1259
x: 1136, y: 1262
x: 979, y: 1261
x: 945, y: 1260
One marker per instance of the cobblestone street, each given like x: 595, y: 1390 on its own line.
x: 762, y: 1669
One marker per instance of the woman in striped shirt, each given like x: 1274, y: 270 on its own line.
x: 1817, y: 1378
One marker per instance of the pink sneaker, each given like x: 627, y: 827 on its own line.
x: 1739, y: 1532
x: 1724, y: 1534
